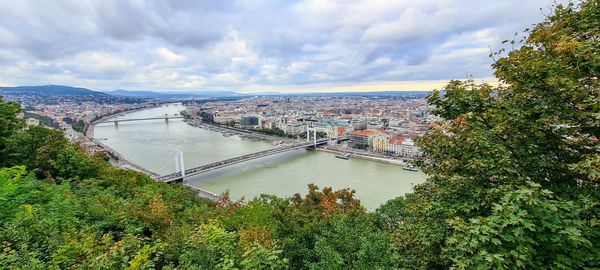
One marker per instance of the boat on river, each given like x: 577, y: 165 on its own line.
x: 411, y: 168
x: 344, y: 156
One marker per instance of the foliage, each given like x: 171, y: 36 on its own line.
x: 361, y: 146
x: 390, y: 215
x: 513, y: 183
x: 48, y: 151
x: 275, y: 131
x: 9, y: 123
x: 527, y: 229
x: 60, y: 208
x: 320, y: 135
x: 44, y: 120
x: 524, y: 152
x: 79, y: 126
x: 204, y: 116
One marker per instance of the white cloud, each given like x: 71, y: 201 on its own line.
x: 108, y: 44
x: 169, y: 56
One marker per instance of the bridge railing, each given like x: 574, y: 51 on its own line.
x: 139, y: 119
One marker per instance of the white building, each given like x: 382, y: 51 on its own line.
x: 329, y: 129
x: 294, y: 128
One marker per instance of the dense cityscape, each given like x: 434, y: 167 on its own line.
x: 380, y: 125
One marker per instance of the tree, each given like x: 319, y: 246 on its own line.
x: 541, y: 125
x: 351, y: 242
x: 390, y: 215
x: 79, y: 126
x: 527, y: 229
x: 37, y: 148
x: 8, y: 124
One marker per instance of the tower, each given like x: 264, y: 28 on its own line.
x: 179, y: 167
x: 310, y: 129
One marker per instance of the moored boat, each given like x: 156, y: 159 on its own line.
x: 411, y: 168
x: 344, y: 156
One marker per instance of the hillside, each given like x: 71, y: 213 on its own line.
x: 173, y: 95
x: 50, y: 90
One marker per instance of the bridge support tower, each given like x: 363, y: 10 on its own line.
x: 312, y: 130
x: 179, y: 167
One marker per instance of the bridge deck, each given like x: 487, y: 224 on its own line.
x: 228, y: 162
x: 139, y: 119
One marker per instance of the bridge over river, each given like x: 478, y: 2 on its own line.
x: 181, y: 172
x: 116, y: 121
x: 179, y: 176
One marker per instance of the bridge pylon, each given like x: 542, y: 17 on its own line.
x: 314, y: 132
x: 179, y: 166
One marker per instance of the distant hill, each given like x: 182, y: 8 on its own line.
x: 355, y: 94
x: 267, y: 93
x: 61, y: 90
x: 173, y: 95
x: 127, y: 93
x: 50, y: 90
x: 377, y: 94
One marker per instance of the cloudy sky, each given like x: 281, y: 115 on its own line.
x: 255, y: 45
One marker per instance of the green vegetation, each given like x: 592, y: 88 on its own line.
x: 513, y: 184
x: 513, y: 171
x: 204, y: 116
x: 269, y: 131
x: 281, y: 133
x: 79, y: 126
x: 320, y: 135
x: 44, y: 120
x: 361, y: 146
x: 275, y: 132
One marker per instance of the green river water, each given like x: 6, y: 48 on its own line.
x: 152, y: 143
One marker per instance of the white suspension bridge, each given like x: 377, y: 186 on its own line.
x: 181, y: 172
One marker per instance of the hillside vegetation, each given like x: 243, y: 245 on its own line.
x: 513, y: 183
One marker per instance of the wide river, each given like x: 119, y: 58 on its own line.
x: 152, y: 143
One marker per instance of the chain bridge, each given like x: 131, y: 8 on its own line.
x: 116, y: 121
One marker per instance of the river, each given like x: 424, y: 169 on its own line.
x: 152, y: 143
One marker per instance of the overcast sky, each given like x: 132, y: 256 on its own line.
x: 255, y: 45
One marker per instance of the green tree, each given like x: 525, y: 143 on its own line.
x: 527, y: 229
x: 390, y: 215
x: 351, y: 242
x: 37, y: 148
x: 79, y: 126
x: 541, y: 125
x: 8, y: 124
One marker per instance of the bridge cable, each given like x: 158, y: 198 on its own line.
x: 161, y: 164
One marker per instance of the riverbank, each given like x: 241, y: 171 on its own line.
x: 120, y: 161
x: 89, y: 131
x: 243, y: 133
x: 249, y: 134
x: 286, y: 174
x: 355, y: 154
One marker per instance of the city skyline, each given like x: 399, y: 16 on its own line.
x: 256, y: 46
